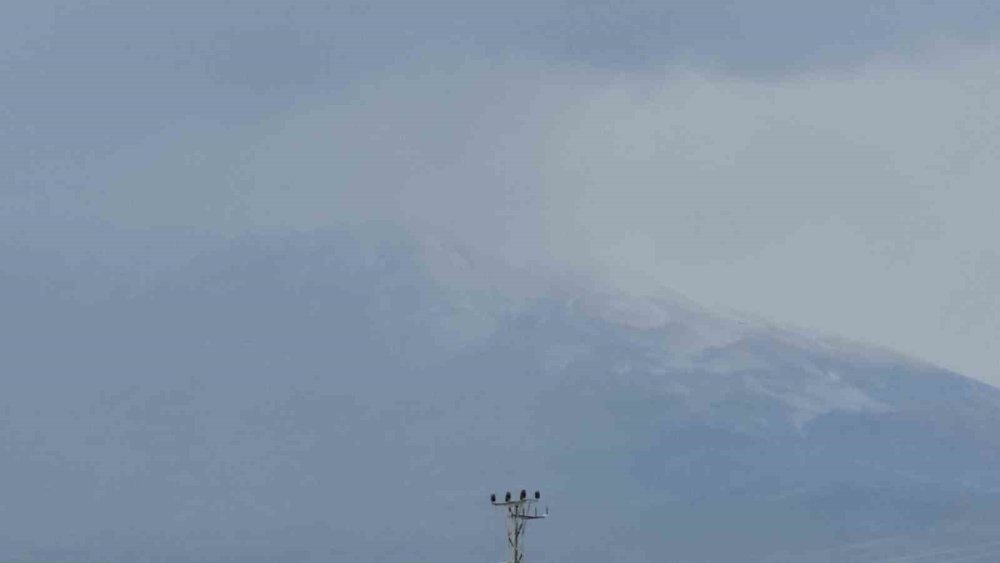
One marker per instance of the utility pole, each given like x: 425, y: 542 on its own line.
x: 519, y: 511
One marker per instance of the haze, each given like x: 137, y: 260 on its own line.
x: 825, y: 165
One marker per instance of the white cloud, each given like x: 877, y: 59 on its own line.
x: 861, y: 202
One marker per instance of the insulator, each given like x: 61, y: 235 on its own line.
x: 524, y: 494
x: 493, y: 497
x: 538, y: 495
x: 507, y: 498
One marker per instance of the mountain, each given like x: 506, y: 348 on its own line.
x: 356, y: 394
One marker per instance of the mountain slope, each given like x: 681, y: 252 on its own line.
x: 349, y: 395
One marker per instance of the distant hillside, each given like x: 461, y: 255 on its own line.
x: 354, y: 395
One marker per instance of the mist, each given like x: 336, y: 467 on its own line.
x: 852, y: 202
x: 299, y: 281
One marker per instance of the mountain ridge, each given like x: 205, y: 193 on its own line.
x: 244, y: 391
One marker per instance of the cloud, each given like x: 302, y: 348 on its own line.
x: 858, y: 202
x: 114, y: 69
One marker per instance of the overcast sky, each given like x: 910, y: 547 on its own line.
x: 827, y: 164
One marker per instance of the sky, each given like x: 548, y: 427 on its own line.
x: 826, y: 165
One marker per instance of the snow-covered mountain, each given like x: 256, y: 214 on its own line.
x: 355, y: 395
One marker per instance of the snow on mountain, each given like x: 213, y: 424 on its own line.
x: 355, y: 395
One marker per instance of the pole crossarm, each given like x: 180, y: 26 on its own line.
x: 519, y: 511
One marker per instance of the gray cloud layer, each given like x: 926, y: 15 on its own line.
x: 827, y: 165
